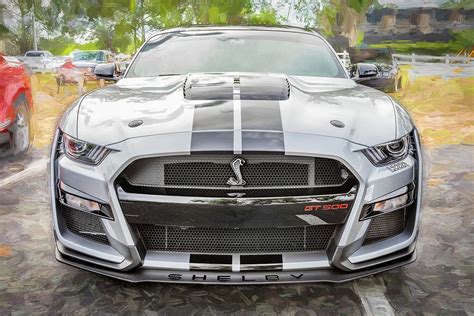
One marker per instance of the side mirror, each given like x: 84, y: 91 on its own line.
x: 105, y: 71
x: 367, y: 70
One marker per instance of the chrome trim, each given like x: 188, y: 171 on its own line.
x: 124, y: 196
x: 235, y: 164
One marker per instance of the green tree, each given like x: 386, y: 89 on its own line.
x: 21, y: 12
x: 335, y: 17
x: 3, y: 28
x: 459, y: 4
x: 121, y: 25
x: 219, y: 11
x: 465, y: 38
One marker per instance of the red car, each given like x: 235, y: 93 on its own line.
x: 16, y: 107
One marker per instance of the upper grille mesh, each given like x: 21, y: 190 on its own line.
x: 213, y: 171
x: 230, y: 240
x: 208, y: 174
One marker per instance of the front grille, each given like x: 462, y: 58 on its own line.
x: 233, y: 240
x: 84, y: 225
x: 386, y: 226
x: 207, y: 175
x: 210, y: 174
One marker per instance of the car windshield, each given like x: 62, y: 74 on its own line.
x: 371, y: 55
x: 88, y: 56
x: 217, y: 51
x: 35, y: 54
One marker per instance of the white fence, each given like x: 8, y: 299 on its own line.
x: 424, y: 59
x: 345, y: 58
x: 414, y: 59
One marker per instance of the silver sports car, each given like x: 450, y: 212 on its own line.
x: 236, y: 155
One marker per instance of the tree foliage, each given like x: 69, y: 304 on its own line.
x: 122, y: 25
x: 335, y: 17
x: 459, y: 4
x: 465, y: 38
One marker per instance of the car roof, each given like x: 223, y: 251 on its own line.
x: 92, y: 50
x: 279, y: 28
x: 38, y: 51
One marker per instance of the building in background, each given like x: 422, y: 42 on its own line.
x: 424, y: 21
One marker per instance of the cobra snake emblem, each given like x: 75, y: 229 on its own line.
x: 236, y: 164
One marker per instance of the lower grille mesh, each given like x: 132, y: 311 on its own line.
x: 386, y: 226
x: 83, y: 224
x: 230, y: 240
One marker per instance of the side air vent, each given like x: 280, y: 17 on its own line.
x: 84, y: 224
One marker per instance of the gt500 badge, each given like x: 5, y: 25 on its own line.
x: 326, y: 207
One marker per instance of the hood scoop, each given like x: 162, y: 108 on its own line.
x: 225, y: 87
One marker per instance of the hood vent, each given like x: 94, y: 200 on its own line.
x: 221, y: 87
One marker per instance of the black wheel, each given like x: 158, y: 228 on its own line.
x: 21, y: 130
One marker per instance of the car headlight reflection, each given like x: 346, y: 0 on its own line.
x: 83, y: 151
x: 389, y: 152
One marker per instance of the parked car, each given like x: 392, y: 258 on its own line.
x: 16, y: 107
x: 68, y: 73
x: 236, y: 155
x: 375, y: 68
x: 55, y: 63
x: 37, y: 61
x: 80, y: 67
x: 87, y: 60
x: 38, y: 53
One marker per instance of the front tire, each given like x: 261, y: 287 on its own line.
x: 21, y: 131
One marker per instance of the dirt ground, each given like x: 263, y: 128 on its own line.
x: 441, y: 281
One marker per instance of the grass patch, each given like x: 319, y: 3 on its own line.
x: 50, y: 104
x: 442, y: 109
x: 427, y: 48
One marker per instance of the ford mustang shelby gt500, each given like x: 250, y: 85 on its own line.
x: 237, y: 155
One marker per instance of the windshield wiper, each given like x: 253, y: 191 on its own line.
x: 170, y: 74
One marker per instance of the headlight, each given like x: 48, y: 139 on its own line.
x: 83, y: 151
x: 389, y: 152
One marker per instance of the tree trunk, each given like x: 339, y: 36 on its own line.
x: 350, y: 24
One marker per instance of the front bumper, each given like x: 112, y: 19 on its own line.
x: 125, y: 257
x: 143, y: 274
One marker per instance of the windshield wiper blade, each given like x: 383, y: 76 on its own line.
x: 170, y: 74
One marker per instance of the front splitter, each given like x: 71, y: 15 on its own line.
x: 212, y: 277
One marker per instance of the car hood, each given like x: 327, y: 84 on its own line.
x: 210, y: 103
